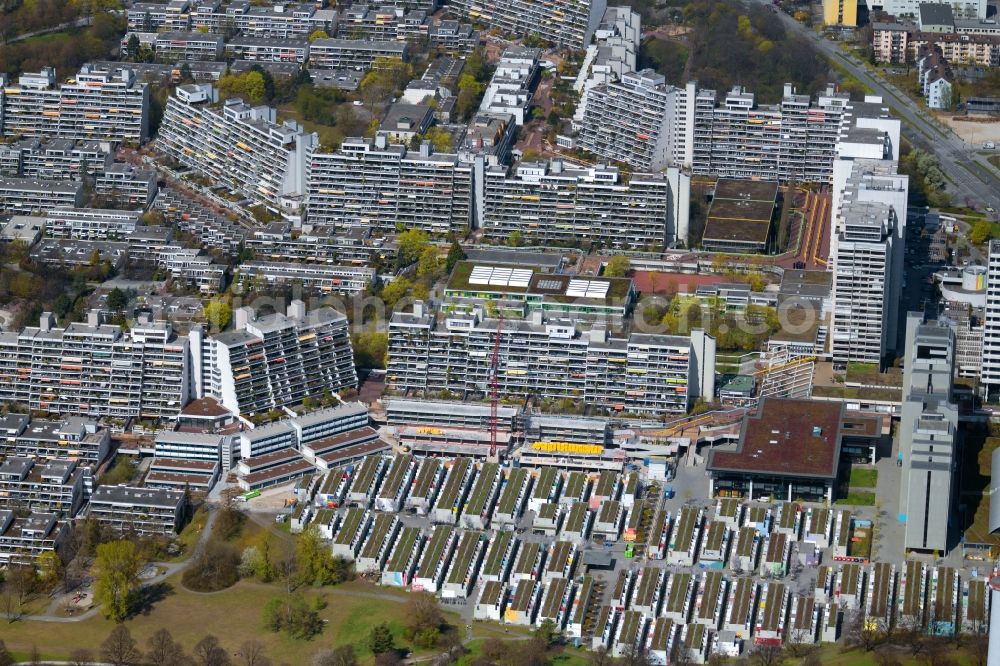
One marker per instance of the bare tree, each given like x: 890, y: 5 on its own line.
x: 635, y: 655
x: 342, y: 656
x: 81, y: 657
x: 251, y: 653
x: 119, y: 648
x: 163, y: 650
x: 600, y: 657
x: 208, y: 652
x: 766, y: 654
x: 978, y: 647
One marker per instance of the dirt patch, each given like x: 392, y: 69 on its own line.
x: 972, y: 131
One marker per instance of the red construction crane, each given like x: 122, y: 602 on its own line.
x: 494, y: 384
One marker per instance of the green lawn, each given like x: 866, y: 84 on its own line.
x: 994, y: 160
x: 863, y: 478
x: 857, y: 498
x: 234, y: 616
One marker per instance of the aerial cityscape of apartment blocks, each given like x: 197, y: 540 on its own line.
x: 236, y: 144
x: 104, y: 104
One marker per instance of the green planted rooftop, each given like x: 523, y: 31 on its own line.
x: 384, y: 522
x: 499, y: 543
x: 397, y: 474
x: 512, y: 490
x: 425, y: 477
x: 455, y: 483
x: 679, y: 584
x: 406, y: 543
x: 434, y: 551
x: 467, y: 547
x: 546, y: 487
x: 349, y: 528
x: 481, y: 490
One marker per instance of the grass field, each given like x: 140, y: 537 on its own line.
x: 857, y: 498
x: 863, y: 478
x: 232, y: 615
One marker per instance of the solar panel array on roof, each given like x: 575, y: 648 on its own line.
x: 587, y: 288
x: 549, y: 284
x: 500, y: 277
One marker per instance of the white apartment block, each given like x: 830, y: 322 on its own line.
x: 568, y: 23
x: 359, y: 54
x: 553, y: 358
x: 94, y: 369
x: 126, y: 184
x: 638, y: 120
x: 23, y: 540
x: 551, y: 202
x: 611, y: 55
x: 141, y: 511
x: 58, y: 486
x: 791, y: 141
x: 323, y: 278
x: 275, y: 360
x: 73, y: 437
x: 868, y: 188
x: 54, y: 159
x: 263, y: 49
x: 91, y: 223
x: 280, y: 20
x: 990, y: 374
x: 107, y: 104
x: 237, y: 145
x: 512, y: 87
x: 371, y: 183
x: 180, y: 46
x: 862, y: 283
x: 188, y: 265
x: 24, y: 195
x: 970, y: 9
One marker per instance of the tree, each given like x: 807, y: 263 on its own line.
x: 250, y: 86
x: 218, y: 312
x: 6, y: 658
x: 617, y: 266
x: 548, y: 632
x: 78, y: 657
x: 394, y: 291
x: 251, y: 653
x: 116, y: 577
x: 370, y: 348
x: 116, y: 300
x: 424, y: 619
x: 515, y: 239
x: 766, y: 654
x: 455, y: 255
x: 50, y: 569
x: 318, y: 34
x: 341, y: 656
x: 163, y: 650
x: 293, y: 615
x: 119, y: 648
x: 216, y: 568
x: 380, y: 639
x: 412, y: 244
x: 981, y: 232
x: 315, y: 562
x: 428, y: 265
x: 208, y: 652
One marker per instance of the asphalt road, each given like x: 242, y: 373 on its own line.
x: 975, y: 182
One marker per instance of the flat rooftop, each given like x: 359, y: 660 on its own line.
x: 798, y: 438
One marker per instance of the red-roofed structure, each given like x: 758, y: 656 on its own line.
x: 787, y: 450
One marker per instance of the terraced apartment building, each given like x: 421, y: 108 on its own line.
x: 372, y: 183
x: 236, y: 145
x: 569, y: 23
x: 108, y: 104
x: 553, y: 202
x: 641, y: 373
x: 275, y: 360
